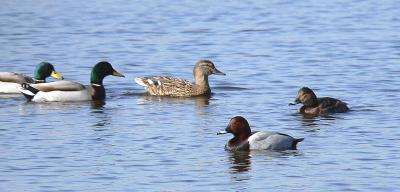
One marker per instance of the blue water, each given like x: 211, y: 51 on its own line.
x: 344, y: 49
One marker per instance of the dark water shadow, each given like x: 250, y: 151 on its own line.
x: 10, y: 95
x: 199, y: 101
x: 99, y: 105
x: 276, y: 154
x: 99, y: 111
x: 230, y: 88
x: 241, y: 160
x: 54, y: 105
x: 312, y: 122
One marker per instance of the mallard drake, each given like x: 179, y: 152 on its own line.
x: 171, y: 86
x: 10, y: 81
x: 245, y: 140
x: 72, y: 91
x: 314, y: 106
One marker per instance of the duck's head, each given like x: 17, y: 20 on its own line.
x: 44, y: 70
x: 206, y: 67
x: 101, y: 70
x: 306, y: 96
x: 239, y: 127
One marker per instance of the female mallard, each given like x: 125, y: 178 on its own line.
x: 314, y: 106
x: 170, y: 86
x: 69, y: 90
x: 10, y: 82
x: 245, y: 140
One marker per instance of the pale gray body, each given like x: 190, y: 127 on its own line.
x: 268, y: 140
x: 10, y: 81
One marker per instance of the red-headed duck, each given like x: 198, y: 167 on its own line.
x: 245, y: 140
x: 314, y: 106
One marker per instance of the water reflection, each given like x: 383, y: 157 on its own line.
x: 240, y: 161
x: 102, y: 117
x: 97, y: 104
x: 199, y: 101
x: 313, y: 121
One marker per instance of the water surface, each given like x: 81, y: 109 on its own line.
x: 345, y: 49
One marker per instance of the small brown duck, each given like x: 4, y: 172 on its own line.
x: 314, y: 106
x: 171, y: 86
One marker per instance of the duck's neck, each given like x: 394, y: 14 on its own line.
x: 243, y: 137
x: 38, y: 77
x: 96, y: 79
x: 97, y: 89
x: 201, y: 82
x: 238, y: 143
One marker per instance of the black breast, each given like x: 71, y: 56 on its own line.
x: 98, y: 92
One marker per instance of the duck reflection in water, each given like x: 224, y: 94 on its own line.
x: 98, y: 111
x: 200, y: 101
x: 241, y: 161
x: 97, y: 104
x: 311, y: 121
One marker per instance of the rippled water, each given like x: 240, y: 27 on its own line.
x: 345, y: 49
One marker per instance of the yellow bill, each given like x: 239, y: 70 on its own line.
x: 116, y: 73
x: 56, y: 75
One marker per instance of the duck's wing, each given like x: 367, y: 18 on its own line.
x: 163, y: 85
x: 15, y: 78
x: 267, y: 140
x: 328, y: 104
x: 59, y: 86
x: 327, y: 101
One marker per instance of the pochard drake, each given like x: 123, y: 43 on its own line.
x: 171, y: 86
x: 63, y: 91
x: 10, y: 81
x: 314, y: 106
x: 245, y: 140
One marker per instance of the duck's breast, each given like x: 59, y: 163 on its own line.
x: 267, y: 140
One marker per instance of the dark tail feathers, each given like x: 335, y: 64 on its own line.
x: 294, y: 144
x: 28, y: 91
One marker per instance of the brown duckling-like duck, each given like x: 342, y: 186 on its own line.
x: 314, y: 106
x: 171, y: 86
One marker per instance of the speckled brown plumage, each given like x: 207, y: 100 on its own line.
x: 171, y: 86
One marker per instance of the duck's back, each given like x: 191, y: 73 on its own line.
x: 332, y: 105
x: 15, y: 77
x: 166, y: 86
x: 267, y: 140
x: 59, y: 86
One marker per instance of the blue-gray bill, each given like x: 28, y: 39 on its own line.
x: 222, y: 132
